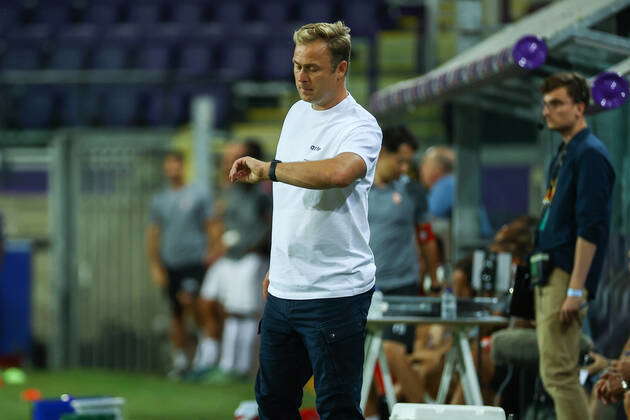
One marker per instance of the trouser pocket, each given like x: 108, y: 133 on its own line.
x: 344, y: 348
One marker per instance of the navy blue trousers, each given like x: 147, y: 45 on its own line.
x: 320, y: 337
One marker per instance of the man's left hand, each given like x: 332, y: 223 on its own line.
x: 571, y: 309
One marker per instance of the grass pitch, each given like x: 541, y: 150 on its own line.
x: 148, y: 397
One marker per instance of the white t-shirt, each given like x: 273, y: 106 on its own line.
x: 320, y: 239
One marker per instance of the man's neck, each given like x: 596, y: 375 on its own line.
x: 569, y: 134
x: 340, y: 96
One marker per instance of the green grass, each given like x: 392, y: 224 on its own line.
x: 148, y: 397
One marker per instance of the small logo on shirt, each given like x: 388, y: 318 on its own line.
x: 316, y: 148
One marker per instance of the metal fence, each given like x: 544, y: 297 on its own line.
x: 109, y: 314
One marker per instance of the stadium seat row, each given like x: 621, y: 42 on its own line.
x: 38, y: 107
x: 227, y: 62
x: 362, y: 13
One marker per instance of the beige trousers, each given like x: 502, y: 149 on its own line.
x: 559, y: 349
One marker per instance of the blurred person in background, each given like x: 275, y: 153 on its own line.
x: 436, y: 173
x: 233, y: 282
x: 572, y: 236
x: 321, y: 277
x: 612, y: 386
x: 179, y: 245
x: 396, y: 207
x: 517, y: 239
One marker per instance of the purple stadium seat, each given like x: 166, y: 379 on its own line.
x: 76, y: 108
x: 21, y: 58
x: 68, y: 58
x: 238, y: 61
x: 229, y: 12
x: 72, y: 46
x: 83, y: 34
x: 178, y: 106
x: 102, y: 13
x: 165, y: 108
x: 9, y: 17
x: 194, y: 60
x: 277, y: 64
x: 162, y: 107
x: 152, y: 107
x: 35, y: 108
x: 361, y: 16
x: 274, y: 12
x: 153, y: 57
x: 145, y: 12
x: 127, y: 34
x: 316, y: 11
x: 120, y: 106
x: 33, y: 34
x: 56, y: 14
x: 168, y: 34
x: 109, y: 57
x: 189, y: 12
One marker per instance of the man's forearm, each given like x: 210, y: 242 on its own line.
x: 584, y: 253
x: 338, y: 172
x: 431, y: 252
x: 153, y: 253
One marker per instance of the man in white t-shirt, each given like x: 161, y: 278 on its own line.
x: 321, y: 275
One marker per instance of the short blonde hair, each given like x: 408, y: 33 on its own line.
x: 336, y: 35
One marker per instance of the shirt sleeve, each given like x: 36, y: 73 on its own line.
x: 441, y: 199
x: 420, y: 202
x: 595, y: 181
x: 364, y: 141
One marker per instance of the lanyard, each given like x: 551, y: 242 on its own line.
x: 553, y: 182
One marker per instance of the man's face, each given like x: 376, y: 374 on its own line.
x: 430, y: 171
x: 390, y: 165
x: 561, y: 113
x: 173, y: 168
x: 406, y: 153
x: 315, y: 79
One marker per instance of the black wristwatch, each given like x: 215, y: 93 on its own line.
x: 272, y: 170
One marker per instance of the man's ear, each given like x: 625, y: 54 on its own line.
x: 343, y: 67
x: 581, y: 108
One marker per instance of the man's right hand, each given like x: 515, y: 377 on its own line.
x: 265, y: 285
x: 158, y: 275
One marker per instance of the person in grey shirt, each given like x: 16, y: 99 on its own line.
x: 397, y: 207
x: 233, y: 283
x: 179, y: 247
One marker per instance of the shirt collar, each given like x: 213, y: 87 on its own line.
x: 577, y: 138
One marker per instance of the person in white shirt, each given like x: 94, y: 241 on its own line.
x: 321, y: 276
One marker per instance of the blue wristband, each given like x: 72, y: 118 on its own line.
x: 575, y: 292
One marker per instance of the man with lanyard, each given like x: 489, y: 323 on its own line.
x: 571, y: 240
x: 321, y: 276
